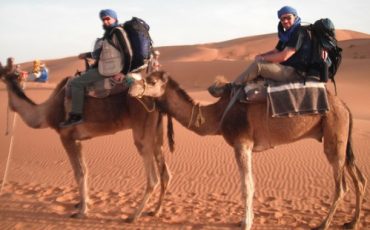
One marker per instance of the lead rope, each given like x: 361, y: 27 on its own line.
x: 191, y: 116
x: 145, y: 106
x: 10, y: 145
x: 9, y: 155
x: 267, y: 120
x: 7, y: 120
x: 199, y: 120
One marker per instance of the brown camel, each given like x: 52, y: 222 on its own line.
x: 247, y: 128
x: 102, y: 117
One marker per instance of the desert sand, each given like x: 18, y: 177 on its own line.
x: 294, y: 183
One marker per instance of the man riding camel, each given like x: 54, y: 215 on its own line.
x: 288, y: 61
x: 114, y: 34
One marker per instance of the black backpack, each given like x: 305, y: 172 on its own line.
x: 323, y: 38
x: 141, y: 43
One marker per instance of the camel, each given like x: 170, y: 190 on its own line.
x: 102, y: 117
x: 248, y: 128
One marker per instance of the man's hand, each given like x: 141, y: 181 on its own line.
x: 118, y: 77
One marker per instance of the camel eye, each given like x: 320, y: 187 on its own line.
x: 151, y: 81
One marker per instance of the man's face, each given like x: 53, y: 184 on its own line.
x: 108, y: 21
x: 287, y: 20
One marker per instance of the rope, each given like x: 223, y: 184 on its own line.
x: 9, y: 156
x: 10, y: 145
x: 146, y: 107
x: 267, y: 120
x: 191, y: 116
x: 199, y: 120
x: 7, y: 120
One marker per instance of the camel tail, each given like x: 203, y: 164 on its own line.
x: 170, y: 134
x: 350, y: 157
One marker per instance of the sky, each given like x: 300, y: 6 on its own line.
x: 42, y: 29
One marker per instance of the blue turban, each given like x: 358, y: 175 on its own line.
x: 287, y: 10
x: 108, y: 13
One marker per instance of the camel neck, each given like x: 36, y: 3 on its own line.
x: 203, y: 120
x: 24, y: 106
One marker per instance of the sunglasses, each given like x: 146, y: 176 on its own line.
x: 289, y: 17
x: 106, y: 19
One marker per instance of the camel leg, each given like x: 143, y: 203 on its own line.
x: 243, y: 156
x: 73, y: 149
x: 335, y: 153
x: 151, y: 175
x: 165, y: 176
x: 164, y: 172
x: 359, y: 182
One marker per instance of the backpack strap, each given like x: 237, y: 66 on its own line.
x: 126, y: 43
x: 335, y: 86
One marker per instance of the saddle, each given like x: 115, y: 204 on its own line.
x: 288, y: 98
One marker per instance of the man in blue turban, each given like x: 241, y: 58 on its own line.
x: 288, y: 61
x: 114, y: 34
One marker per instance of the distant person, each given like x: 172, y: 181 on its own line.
x: 36, y: 70
x: 155, y: 65
x: 118, y: 37
x: 288, y: 61
x: 44, y: 74
x: 22, y: 75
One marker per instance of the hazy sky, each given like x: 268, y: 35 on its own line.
x: 41, y: 29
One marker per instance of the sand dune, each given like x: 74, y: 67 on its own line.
x: 294, y: 183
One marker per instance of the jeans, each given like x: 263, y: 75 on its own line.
x: 272, y: 71
x: 78, y: 87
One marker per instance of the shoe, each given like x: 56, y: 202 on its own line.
x: 73, y: 119
x: 219, y: 90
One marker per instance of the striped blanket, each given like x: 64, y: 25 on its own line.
x: 297, y: 98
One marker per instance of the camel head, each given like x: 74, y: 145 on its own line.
x: 9, y: 70
x: 153, y: 85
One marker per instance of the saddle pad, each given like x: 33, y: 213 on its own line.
x: 298, y: 98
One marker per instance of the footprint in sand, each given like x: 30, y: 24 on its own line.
x: 59, y: 208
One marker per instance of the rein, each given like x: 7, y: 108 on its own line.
x: 5, y: 177
x: 199, y: 120
x: 144, y: 88
x: 145, y: 106
x: 140, y: 96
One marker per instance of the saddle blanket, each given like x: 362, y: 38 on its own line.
x: 297, y: 98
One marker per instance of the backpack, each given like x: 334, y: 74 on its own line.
x: 323, y: 39
x: 140, y: 40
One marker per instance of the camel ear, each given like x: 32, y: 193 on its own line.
x: 10, y: 63
x: 164, y: 77
x: 9, y: 68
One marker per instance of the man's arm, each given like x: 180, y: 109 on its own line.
x: 279, y: 56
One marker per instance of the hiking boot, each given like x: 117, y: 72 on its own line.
x: 219, y: 90
x: 73, y: 119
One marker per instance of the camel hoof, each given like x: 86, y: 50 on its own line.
x: 151, y: 213
x: 78, y: 205
x: 77, y: 216
x: 350, y: 225
x: 130, y: 219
